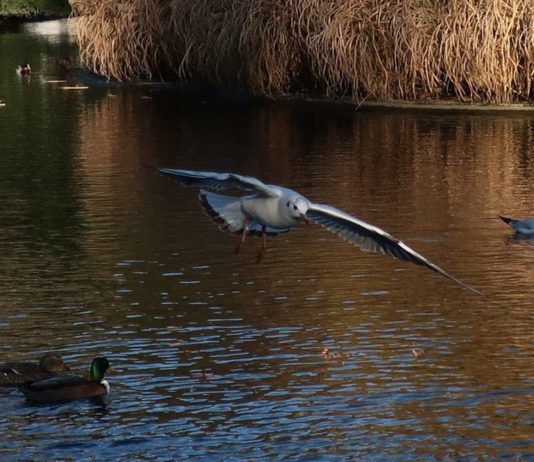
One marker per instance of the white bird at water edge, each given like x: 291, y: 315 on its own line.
x: 268, y: 210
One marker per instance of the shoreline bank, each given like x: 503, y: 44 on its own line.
x: 37, y: 10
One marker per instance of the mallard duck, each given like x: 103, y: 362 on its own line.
x: 16, y: 373
x: 69, y: 387
x: 520, y: 226
x: 24, y: 69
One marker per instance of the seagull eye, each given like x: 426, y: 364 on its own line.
x: 294, y: 207
x: 287, y: 205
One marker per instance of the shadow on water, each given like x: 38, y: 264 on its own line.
x: 518, y: 237
x: 219, y: 357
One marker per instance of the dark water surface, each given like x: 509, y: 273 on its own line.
x: 219, y: 358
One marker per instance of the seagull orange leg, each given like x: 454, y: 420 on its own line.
x: 244, y: 235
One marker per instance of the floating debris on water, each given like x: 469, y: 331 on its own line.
x: 327, y: 355
x: 77, y: 87
x: 418, y: 352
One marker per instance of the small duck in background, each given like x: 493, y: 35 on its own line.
x: 64, y: 388
x: 524, y: 227
x: 24, y: 69
x: 63, y: 64
x: 16, y: 373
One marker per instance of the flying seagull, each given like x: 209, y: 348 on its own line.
x: 268, y: 210
x: 525, y: 227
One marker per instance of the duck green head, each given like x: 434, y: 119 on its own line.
x: 99, y: 366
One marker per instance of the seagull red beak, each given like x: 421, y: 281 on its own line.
x: 304, y: 218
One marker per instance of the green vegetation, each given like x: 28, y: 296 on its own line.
x: 33, y: 8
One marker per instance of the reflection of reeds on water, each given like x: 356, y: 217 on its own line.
x: 472, y: 50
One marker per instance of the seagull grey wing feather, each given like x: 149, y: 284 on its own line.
x: 371, y: 238
x: 219, y: 181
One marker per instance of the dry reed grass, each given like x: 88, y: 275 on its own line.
x: 472, y: 50
x: 124, y: 40
x: 243, y: 44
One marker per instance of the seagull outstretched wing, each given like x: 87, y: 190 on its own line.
x: 371, y: 238
x: 219, y: 181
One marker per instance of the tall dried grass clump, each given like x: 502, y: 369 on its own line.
x: 471, y: 50
x: 245, y: 44
x: 488, y: 49
x: 123, y: 40
x: 377, y: 48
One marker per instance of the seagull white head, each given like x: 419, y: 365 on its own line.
x: 297, y: 208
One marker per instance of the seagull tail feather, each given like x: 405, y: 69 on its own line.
x: 507, y: 220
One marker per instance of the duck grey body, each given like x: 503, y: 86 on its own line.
x: 271, y: 210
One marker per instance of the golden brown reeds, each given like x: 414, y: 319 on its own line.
x: 472, y: 50
x: 124, y: 40
x: 243, y: 44
x: 488, y: 49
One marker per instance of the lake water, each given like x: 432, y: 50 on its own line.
x: 218, y: 358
